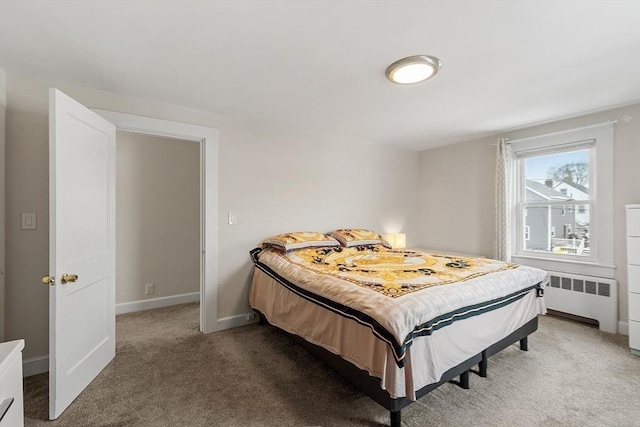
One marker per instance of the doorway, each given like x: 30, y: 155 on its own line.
x: 82, y: 237
x: 207, y: 139
x: 157, y: 221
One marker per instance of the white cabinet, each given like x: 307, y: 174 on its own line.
x: 11, y: 404
x: 633, y: 275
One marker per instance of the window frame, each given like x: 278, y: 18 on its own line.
x: 598, y: 139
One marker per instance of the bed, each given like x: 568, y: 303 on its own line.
x: 396, y: 323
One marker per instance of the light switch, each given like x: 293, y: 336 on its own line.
x: 233, y: 218
x: 28, y: 221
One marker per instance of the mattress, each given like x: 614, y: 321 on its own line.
x: 405, y: 317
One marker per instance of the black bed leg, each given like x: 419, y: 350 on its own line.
x: 482, y: 366
x: 395, y: 418
x: 464, y: 380
x: 524, y: 344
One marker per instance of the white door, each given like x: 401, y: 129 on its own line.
x: 82, y: 244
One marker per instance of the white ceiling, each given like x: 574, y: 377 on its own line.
x: 320, y: 64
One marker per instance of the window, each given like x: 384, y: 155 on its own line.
x: 561, y: 212
x: 548, y: 203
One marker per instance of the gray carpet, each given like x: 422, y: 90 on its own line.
x: 168, y: 374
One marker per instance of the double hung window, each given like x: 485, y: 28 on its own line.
x: 563, y: 197
x: 552, y: 186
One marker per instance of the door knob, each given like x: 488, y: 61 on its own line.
x: 48, y: 280
x: 67, y: 278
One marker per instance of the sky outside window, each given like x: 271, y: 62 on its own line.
x: 537, y: 168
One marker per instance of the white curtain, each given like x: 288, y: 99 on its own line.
x: 502, y: 248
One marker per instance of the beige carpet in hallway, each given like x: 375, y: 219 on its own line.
x: 168, y: 374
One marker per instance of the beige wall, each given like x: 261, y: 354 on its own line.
x: 457, y: 188
x: 456, y: 197
x: 3, y: 109
x: 277, y: 178
x: 157, y: 216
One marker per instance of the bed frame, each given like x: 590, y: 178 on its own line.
x: 371, y: 385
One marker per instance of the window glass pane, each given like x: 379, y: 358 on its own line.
x: 561, y: 229
x: 558, y: 176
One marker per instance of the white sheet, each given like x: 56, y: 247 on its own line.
x: 427, y: 358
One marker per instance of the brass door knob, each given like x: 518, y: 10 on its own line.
x: 46, y: 280
x: 67, y: 278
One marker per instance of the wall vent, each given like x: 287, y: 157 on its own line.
x: 591, y: 297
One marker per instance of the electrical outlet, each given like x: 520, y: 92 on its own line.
x: 149, y: 288
x: 28, y: 221
x: 251, y: 315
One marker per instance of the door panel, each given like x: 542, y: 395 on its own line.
x: 82, y: 242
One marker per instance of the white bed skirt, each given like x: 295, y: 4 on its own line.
x: 427, y: 358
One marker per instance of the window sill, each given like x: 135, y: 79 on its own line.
x: 567, y: 266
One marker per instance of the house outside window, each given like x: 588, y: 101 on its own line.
x: 563, y: 207
x: 548, y: 205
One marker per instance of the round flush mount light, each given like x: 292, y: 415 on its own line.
x: 413, y: 69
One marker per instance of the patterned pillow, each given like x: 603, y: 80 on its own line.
x: 299, y: 240
x: 357, y: 237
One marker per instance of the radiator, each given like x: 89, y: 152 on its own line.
x: 591, y: 297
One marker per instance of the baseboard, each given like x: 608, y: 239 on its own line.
x: 148, y: 304
x: 236, y: 321
x: 623, y: 328
x: 35, y: 366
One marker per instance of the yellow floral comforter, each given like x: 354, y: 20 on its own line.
x: 392, y: 272
x: 399, y: 294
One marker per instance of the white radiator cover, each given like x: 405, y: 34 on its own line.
x: 591, y: 297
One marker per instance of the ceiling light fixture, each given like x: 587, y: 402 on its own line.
x: 413, y: 69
